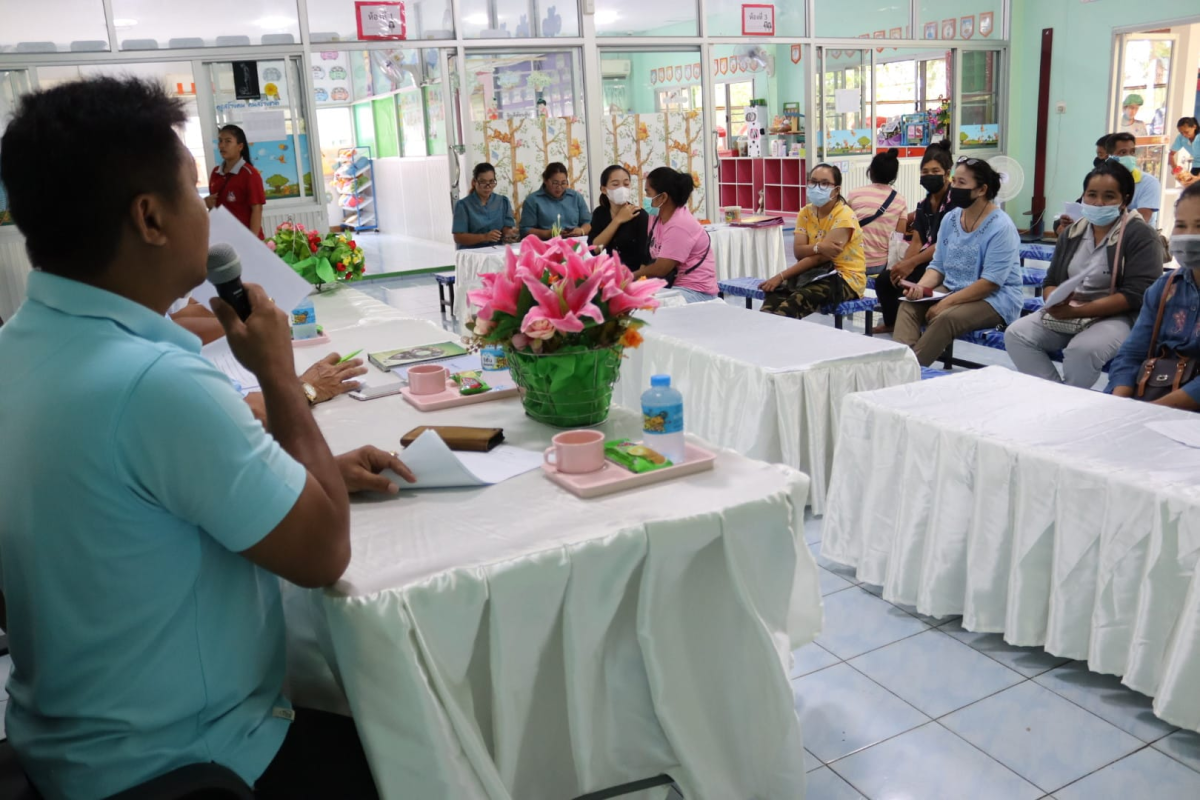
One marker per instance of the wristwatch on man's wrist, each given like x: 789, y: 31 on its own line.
x: 310, y: 392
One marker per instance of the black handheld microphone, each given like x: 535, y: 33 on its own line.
x: 225, y: 273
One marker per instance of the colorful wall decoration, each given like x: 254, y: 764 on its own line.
x: 276, y: 162
x: 331, y: 78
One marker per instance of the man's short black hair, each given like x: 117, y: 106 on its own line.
x: 1117, y: 138
x: 73, y: 159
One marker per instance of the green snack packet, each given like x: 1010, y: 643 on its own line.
x: 634, y: 456
x: 470, y: 383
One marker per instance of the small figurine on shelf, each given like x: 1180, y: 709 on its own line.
x: 762, y: 201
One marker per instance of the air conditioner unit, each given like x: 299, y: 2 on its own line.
x: 615, y: 68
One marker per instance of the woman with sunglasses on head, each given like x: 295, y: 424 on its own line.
x: 680, y: 248
x: 977, y: 264
x: 483, y: 217
x: 830, y: 266
x: 936, y: 166
x: 555, y: 205
x: 1120, y: 257
x: 615, y: 224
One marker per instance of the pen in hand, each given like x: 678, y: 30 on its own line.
x: 352, y: 355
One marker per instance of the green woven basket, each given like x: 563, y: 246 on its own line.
x: 571, y: 388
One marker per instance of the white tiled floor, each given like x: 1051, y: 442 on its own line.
x: 898, y: 706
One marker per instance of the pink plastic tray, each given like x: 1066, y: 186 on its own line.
x: 451, y: 398
x: 322, y: 339
x: 613, y: 478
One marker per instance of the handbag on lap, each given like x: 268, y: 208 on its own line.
x: 1164, y: 370
x: 1071, y: 327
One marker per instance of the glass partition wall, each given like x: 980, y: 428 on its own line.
x: 642, y: 85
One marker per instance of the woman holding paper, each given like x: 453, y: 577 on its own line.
x: 1090, y: 306
x: 977, y: 265
x: 235, y: 183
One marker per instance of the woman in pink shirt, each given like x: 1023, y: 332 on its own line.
x: 680, y: 249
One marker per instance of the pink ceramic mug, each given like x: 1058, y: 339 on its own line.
x: 576, y: 452
x: 427, y: 379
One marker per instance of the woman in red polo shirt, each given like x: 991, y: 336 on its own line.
x: 236, y: 184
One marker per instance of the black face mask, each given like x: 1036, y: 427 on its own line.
x: 1098, y: 161
x: 933, y: 183
x: 960, y: 198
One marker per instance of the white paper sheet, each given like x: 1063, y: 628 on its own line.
x: 1185, y: 432
x: 1067, y: 287
x: 436, y: 466
x: 1073, y: 210
x: 847, y: 101
x: 264, y: 126
x: 222, y: 358
x: 259, y: 264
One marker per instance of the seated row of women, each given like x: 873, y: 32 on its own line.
x: 663, y: 240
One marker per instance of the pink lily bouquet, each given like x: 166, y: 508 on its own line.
x: 552, y: 297
x: 564, y: 321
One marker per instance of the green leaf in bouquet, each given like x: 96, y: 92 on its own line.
x: 325, y: 271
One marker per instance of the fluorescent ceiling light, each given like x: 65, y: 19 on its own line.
x: 124, y: 23
x: 607, y: 16
x: 476, y: 19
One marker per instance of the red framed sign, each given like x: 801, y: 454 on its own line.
x: 380, y: 21
x: 758, y: 19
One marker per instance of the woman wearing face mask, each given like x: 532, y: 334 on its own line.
x: 828, y: 243
x: 680, y: 248
x: 1091, y: 324
x: 936, y: 166
x: 977, y: 263
x: 1179, y: 333
x: 615, y: 226
x: 1064, y: 221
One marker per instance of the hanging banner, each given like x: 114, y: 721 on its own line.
x: 949, y: 28
x: 758, y: 20
x: 662, y: 75
x: 797, y: 51
x: 724, y: 66
x: 879, y: 35
x: 696, y: 71
x: 687, y: 72
x: 966, y: 27
x: 380, y: 20
x: 678, y: 74
x: 987, y: 22
x: 733, y: 66
x: 653, y: 77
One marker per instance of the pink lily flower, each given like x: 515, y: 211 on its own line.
x: 623, y: 293
x: 562, y: 305
x: 500, y: 290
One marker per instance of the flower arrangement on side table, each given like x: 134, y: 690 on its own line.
x: 564, y: 320
x: 332, y: 258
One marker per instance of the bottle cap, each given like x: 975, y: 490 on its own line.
x: 660, y: 380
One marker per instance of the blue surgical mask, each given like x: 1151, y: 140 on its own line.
x: 1128, y: 162
x: 1185, y: 247
x: 820, y: 195
x: 1101, y: 215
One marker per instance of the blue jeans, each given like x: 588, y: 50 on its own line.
x: 693, y: 296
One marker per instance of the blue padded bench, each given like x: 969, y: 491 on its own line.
x: 928, y: 373
x: 1032, y: 305
x: 1038, y: 251
x: 445, y: 280
x: 748, y: 288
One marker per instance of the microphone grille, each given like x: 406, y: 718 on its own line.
x: 223, y: 264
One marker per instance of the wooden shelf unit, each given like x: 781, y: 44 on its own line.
x: 780, y: 178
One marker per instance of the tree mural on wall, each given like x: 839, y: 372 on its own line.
x: 641, y: 142
x: 687, y: 151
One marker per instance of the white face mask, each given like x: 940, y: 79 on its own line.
x: 1185, y: 247
x: 619, y: 196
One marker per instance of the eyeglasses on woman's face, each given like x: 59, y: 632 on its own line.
x: 486, y: 184
x: 557, y: 184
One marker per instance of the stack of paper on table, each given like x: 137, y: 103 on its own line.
x: 436, y: 466
x: 757, y: 221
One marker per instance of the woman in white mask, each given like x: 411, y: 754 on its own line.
x: 610, y: 229
x: 1090, y: 325
x: 1176, y: 348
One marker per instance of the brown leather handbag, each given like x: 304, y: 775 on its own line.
x: 1164, y: 370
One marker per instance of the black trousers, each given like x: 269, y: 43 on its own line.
x: 889, y: 294
x: 321, y: 758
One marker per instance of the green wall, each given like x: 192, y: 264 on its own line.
x: 1080, y: 77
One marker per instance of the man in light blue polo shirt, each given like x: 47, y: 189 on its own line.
x: 1147, y: 192
x: 145, y: 509
x: 555, y: 204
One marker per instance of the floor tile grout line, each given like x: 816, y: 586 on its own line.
x: 1097, y: 716
x: 1101, y: 767
x: 969, y: 743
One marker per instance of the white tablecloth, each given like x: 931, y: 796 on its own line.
x: 739, y: 252
x: 1046, y: 513
x: 748, y: 252
x: 767, y: 387
x: 517, y: 642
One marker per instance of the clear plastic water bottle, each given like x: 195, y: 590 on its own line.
x: 662, y: 419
